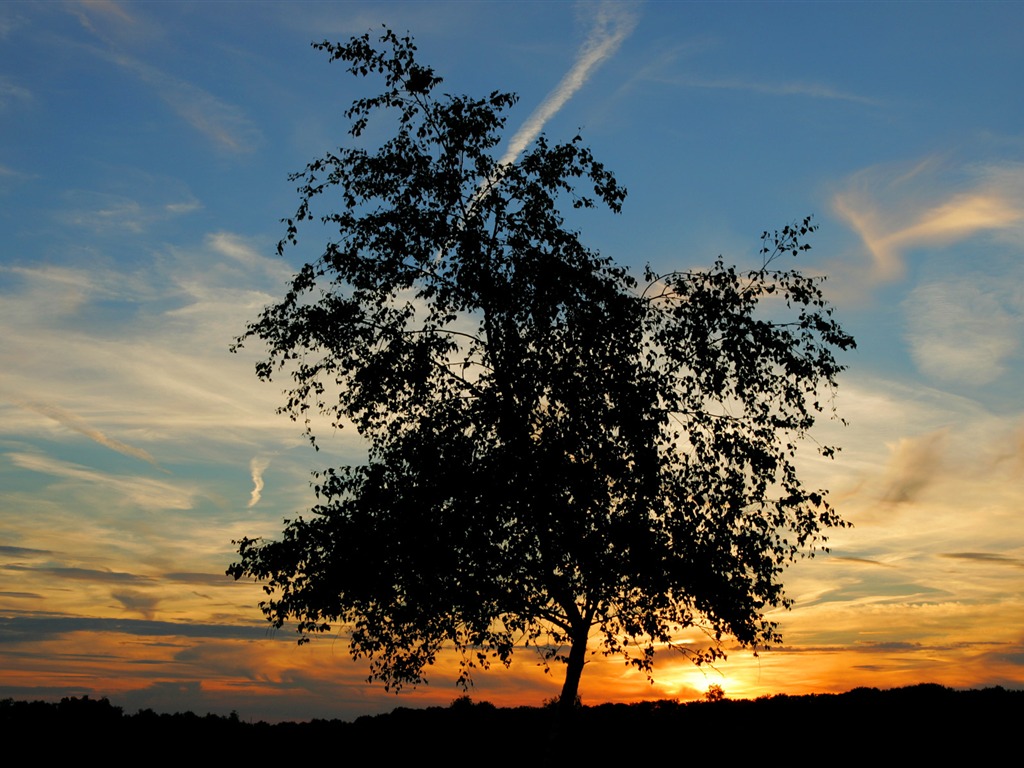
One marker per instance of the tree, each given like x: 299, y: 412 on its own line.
x: 556, y: 453
x: 714, y: 693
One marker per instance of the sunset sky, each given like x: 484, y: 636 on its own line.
x: 143, y: 172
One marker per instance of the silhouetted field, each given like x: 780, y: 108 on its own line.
x: 922, y: 720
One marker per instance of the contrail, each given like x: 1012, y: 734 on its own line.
x: 76, y: 424
x: 613, y: 23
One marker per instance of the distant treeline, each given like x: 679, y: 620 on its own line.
x: 914, y: 721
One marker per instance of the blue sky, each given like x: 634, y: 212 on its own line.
x: 142, y: 178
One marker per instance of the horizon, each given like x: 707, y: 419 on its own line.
x: 145, y: 173
x: 464, y: 700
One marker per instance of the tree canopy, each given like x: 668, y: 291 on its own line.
x: 558, y: 452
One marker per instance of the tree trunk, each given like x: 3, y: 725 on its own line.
x: 564, y: 722
x: 573, y: 671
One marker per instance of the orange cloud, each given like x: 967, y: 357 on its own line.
x: 894, y: 213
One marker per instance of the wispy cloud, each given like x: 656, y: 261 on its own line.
x: 13, y: 174
x: 74, y: 423
x: 205, y: 579
x: 895, y: 210
x: 256, y: 468
x: 915, y: 463
x: 86, y: 574
x: 664, y: 69
x: 22, y: 552
x: 104, y: 212
x: 15, y: 628
x: 797, y: 88
x: 225, y: 124
x: 248, y: 256
x: 612, y: 24
x: 110, y: 12
x: 139, y: 491
x: 11, y: 92
x: 985, y: 557
x: 965, y: 330
x: 183, y: 308
x: 859, y: 561
x: 8, y: 23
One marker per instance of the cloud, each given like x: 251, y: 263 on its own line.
x: 858, y: 560
x: 10, y: 92
x: 52, y: 292
x: 104, y: 212
x: 84, y: 574
x: 964, y: 330
x: 612, y: 24
x: 110, y: 12
x: 139, y: 491
x: 984, y: 557
x: 256, y: 468
x: 224, y: 124
x: 13, y: 174
x: 22, y: 552
x: 18, y: 628
x: 811, y: 90
x: 149, y: 348
x: 234, y: 247
x: 8, y: 23
x: 248, y: 256
x: 206, y: 579
x: 138, y: 602
x: 895, y: 210
x: 914, y: 465
x: 76, y: 424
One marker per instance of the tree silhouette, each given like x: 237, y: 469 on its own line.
x: 556, y: 453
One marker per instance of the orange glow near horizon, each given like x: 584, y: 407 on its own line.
x: 274, y: 679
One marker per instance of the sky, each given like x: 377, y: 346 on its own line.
x: 143, y: 175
